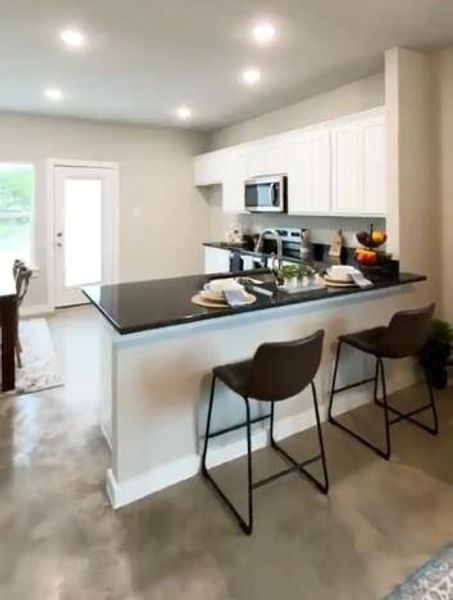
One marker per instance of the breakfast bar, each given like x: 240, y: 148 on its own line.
x: 160, y: 349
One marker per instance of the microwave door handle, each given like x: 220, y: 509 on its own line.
x: 274, y: 192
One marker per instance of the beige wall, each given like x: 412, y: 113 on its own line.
x: 444, y: 78
x: 412, y: 159
x: 357, y: 96
x: 163, y: 218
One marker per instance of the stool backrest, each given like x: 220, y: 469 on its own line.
x: 407, y: 332
x: 281, y: 370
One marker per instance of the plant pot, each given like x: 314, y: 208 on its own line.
x: 434, y: 358
x: 291, y: 282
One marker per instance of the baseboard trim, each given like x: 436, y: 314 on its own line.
x: 125, y: 492
x: 36, y: 310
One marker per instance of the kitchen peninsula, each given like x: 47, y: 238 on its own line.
x: 160, y: 349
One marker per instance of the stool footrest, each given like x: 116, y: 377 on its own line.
x: 353, y: 385
x: 408, y: 416
x: 239, y: 426
x: 295, y: 467
x: 360, y: 438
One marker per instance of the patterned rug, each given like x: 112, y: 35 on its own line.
x: 433, y: 581
x: 39, y: 366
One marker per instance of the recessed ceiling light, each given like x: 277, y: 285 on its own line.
x: 251, y: 76
x: 184, y: 113
x: 73, y: 38
x: 53, y: 94
x: 264, y: 33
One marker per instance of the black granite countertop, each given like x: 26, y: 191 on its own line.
x: 146, y: 305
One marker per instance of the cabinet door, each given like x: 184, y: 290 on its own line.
x: 345, y: 170
x: 234, y: 182
x: 309, y: 166
x: 266, y: 158
x: 372, y: 147
x: 209, y: 168
x: 216, y: 260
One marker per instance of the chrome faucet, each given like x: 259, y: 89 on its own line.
x: 278, y: 239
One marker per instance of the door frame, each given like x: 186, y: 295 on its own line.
x: 51, y: 164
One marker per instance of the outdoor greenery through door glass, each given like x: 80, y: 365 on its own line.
x: 16, y: 212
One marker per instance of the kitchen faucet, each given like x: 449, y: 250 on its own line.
x: 278, y: 239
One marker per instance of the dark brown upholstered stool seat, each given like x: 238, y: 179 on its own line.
x: 405, y: 336
x: 234, y: 375
x: 367, y: 341
x: 277, y: 371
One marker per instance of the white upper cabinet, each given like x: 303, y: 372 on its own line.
x: 335, y: 168
x: 209, y: 168
x: 373, y: 169
x: 266, y: 158
x: 359, y: 166
x: 309, y: 168
x: 345, y: 169
x: 234, y: 181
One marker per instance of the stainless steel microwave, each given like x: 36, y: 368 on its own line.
x: 266, y: 194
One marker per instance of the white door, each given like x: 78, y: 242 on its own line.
x: 309, y: 174
x: 84, y: 237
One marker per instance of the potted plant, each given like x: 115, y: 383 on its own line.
x: 290, y: 275
x: 436, y: 352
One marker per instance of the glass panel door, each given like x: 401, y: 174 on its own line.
x: 83, y: 230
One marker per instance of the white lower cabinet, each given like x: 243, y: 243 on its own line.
x: 216, y: 260
x: 309, y: 166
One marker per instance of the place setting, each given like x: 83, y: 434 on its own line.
x: 345, y: 276
x: 223, y: 293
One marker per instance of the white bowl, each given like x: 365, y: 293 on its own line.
x: 219, y: 285
x: 341, y: 272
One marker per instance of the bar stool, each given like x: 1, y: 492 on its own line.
x: 277, y: 371
x: 403, y: 337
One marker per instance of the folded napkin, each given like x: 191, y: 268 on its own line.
x: 235, y: 297
x: 360, y: 280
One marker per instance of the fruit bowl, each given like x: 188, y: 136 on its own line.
x: 371, y: 239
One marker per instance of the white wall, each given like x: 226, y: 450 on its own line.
x: 357, y: 96
x: 163, y: 218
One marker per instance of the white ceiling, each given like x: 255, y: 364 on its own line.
x: 147, y: 57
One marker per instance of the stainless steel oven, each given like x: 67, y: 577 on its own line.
x: 266, y: 194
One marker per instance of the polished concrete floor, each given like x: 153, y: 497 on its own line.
x: 60, y: 540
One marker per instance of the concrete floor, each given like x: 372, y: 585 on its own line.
x: 60, y: 540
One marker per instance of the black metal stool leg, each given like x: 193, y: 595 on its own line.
x: 245, y: 526
x: 410, y: 416
x: 323, y: 487
x: 376, y: 382
x: 379, y: 366
x: 388, y: 449
x: 334, y: 380
x: 435, y: 429
x: 204, y: 469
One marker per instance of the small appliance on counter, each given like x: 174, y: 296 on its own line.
x: 234, y: 236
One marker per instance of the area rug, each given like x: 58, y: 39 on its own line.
x: 433, y: 581
x: 39, y: 365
